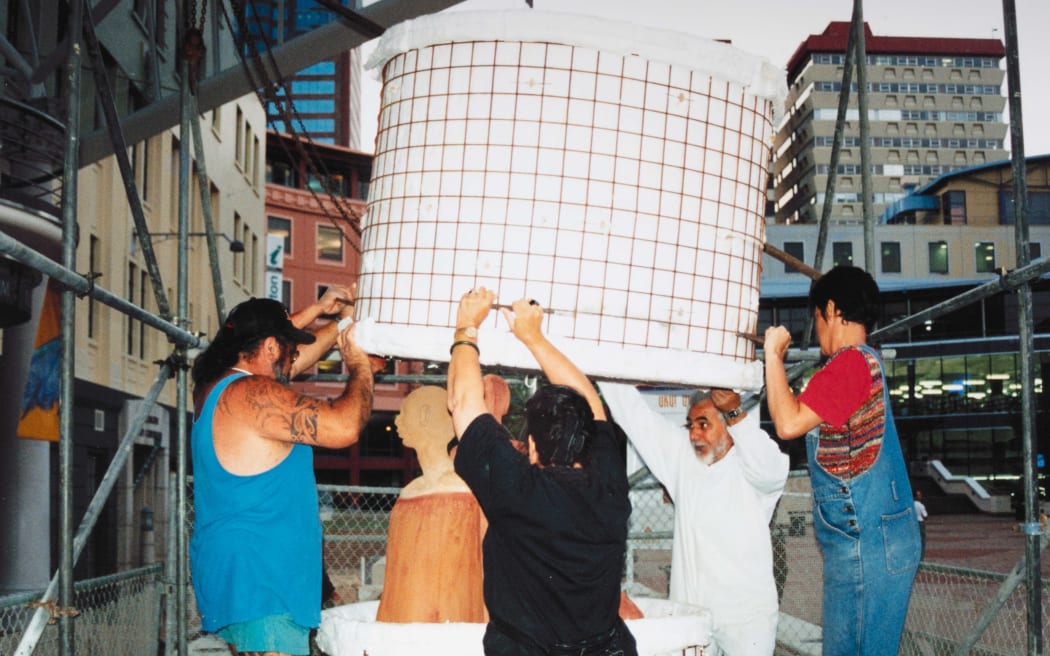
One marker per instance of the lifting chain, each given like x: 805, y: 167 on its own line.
x: 193, y: 41
x: 195, y: 20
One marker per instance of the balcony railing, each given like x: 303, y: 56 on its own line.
x: 32, y: 147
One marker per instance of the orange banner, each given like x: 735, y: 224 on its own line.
x: 39, y: 419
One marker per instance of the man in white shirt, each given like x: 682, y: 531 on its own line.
x: 725, y: 475
x: 921, y: 515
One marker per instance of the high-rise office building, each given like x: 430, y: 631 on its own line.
x: 935, y: 105
x: 321, y: 94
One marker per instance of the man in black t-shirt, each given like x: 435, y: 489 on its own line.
x: 555, y: 546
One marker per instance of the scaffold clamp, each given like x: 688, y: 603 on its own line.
x: 1032, y: 528
x: 53, y: 610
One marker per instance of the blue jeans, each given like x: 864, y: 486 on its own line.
x: 867, y: 576
x: 869, y: 538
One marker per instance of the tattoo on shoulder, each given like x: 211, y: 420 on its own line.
x: 268, y: 403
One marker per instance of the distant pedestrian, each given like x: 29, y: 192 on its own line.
x: 921, y: 515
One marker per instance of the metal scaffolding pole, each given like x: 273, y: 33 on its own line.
x: 1026, y: 352
x: 67, y: 381
x: 120, y: 151
x: 204, y: 185
x: 865, y: 135
x: 1010, y: 280
x: 82, y: 286
x: 94, y: 510
x: 836, y: 148
x: 182, y: 304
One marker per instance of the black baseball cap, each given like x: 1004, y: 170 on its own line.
x: 262, y: 317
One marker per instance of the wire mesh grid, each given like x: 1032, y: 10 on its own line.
x: 625, y: 195
x: 118, y: 615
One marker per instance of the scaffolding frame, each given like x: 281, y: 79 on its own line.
x: 74, y: 284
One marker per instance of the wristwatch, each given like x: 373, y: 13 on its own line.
x: 734, y: 414
x: 468, y: 331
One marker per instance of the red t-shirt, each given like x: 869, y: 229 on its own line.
x: 839, y: 388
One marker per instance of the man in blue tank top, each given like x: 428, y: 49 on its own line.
x: 255, y: 552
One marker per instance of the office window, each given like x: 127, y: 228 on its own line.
x: 93, y: 259
x: 984, y: 255
x: 281, y: 227
x: 144, y: 189
x: 135, y: 344
x: 1038, y: 207
x: 842, y: 253
x: 238, y: 149
x: 938, y: 257
x: 286, y: 293
x: 280, y: 173
x: 953, y: 207
x: 796, y: 249
x: 891, y: 257
x: 238, y: 260
x: 329, y: 243
x: 129, y: 321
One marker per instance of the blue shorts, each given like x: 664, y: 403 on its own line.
x: 271, y: 633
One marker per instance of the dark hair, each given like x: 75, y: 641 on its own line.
x: 854, y: 291
x: 220, y: 356
x: 244, y: 329
x: 560, y: 421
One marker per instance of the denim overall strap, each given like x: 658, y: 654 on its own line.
x: 869, y: 538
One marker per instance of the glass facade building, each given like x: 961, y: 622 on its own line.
x: 317, y: 101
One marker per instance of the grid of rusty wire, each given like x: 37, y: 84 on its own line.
x: 625, y: 193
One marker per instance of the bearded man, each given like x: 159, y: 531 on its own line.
x: 724, y: 475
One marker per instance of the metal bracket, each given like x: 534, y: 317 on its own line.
x: 53, y: 610
x: 1031, y: 528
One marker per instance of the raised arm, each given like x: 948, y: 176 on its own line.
x: 662, y: 444
x: 525, y: 320
x: 273, y: 411
x: 763, y: 463
x: 337, y: 299
x: 466, y: 393
x: 791, y: 418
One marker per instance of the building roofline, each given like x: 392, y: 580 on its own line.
x: 835, y: 38
x: 330, y: 152
x: 911, y: 202
x: 987, y: 166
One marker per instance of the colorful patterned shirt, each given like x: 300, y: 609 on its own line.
x: 847, y: 394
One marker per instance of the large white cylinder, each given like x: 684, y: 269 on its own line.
x: 614, y: 173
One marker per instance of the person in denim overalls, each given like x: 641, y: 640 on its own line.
x: 862, y: 500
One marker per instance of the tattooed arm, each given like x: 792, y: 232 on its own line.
x: 260, y: 406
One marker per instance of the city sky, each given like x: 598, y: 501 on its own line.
x: 775, y: 28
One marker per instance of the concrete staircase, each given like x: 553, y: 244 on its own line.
x: 964, y: 487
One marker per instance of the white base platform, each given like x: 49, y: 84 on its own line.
x: 351, y: 630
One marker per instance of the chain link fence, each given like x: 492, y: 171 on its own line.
x: 945, y: 607
x: 355, y: 522
x: 118, y: 615
x: 122, y: 615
